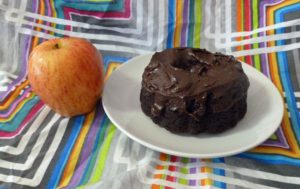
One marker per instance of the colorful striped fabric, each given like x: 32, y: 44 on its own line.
x: 40, y: 149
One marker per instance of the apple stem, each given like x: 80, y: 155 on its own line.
x: 56, y: 46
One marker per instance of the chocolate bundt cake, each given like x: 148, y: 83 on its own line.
x: 189, y: 90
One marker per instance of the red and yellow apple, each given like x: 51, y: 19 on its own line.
x: 67, y: 74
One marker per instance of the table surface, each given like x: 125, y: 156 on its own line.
x: 41, y: 149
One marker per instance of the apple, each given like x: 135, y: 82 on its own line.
x: 67, y: 74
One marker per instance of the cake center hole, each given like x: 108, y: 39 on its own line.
x: 184, y: 65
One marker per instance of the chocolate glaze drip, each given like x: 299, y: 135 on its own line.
x: 186, y: 79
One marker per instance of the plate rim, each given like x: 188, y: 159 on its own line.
x: 185, y: 154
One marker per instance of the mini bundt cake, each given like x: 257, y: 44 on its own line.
x: 189, y: 90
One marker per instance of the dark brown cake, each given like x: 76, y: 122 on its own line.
x: 188, y: 90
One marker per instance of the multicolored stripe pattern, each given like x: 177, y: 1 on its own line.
x: 40, y: 149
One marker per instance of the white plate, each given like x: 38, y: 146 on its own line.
x: 122, y: 105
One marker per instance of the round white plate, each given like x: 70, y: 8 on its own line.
x: 122, y: 105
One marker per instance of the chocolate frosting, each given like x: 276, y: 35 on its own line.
x: 184, y: 78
